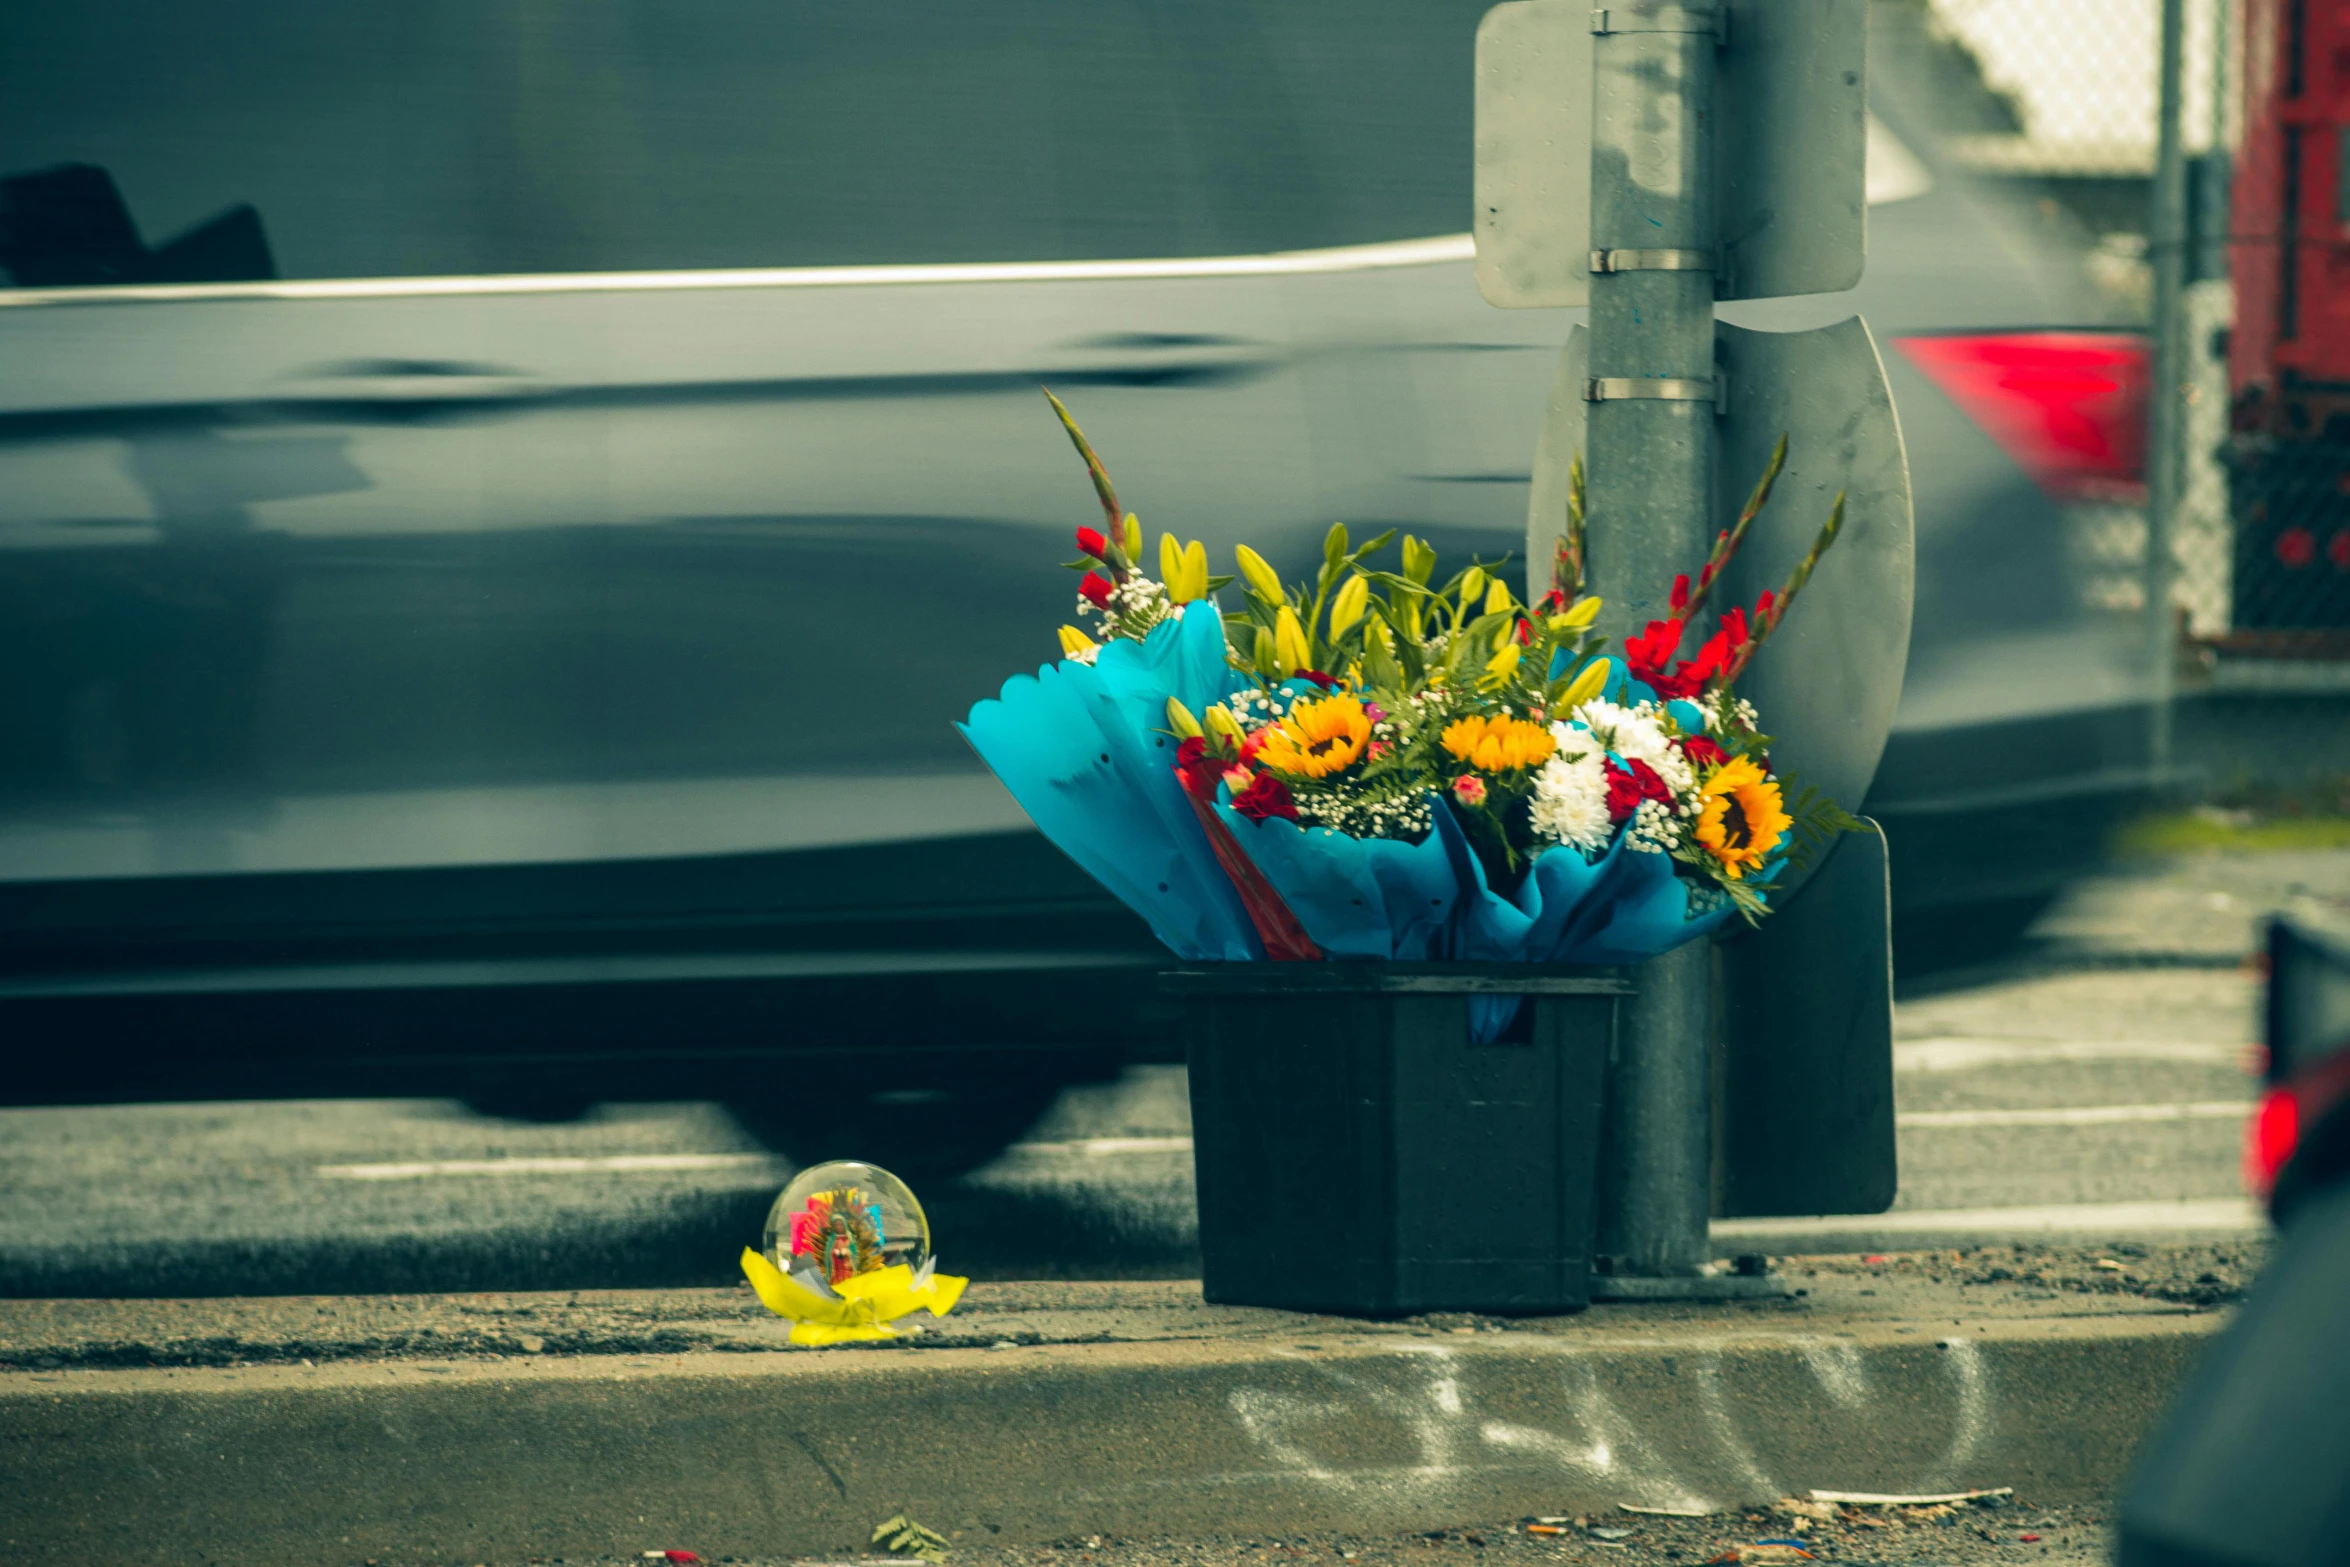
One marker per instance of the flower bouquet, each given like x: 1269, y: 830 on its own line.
x: 1385, y: 763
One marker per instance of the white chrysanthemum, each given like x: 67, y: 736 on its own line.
x: 1634, y: 734
x: 1570, y: 797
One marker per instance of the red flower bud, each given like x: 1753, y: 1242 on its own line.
x: 1091, y: 541
x: 1681, y: 593
x: 1095, y: 589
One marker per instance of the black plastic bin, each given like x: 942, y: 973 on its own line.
x: 1357, y: 1154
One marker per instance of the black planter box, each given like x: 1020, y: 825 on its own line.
x: 1357, y: 1154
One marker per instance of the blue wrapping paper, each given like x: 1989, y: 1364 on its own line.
x: 1083, y: 749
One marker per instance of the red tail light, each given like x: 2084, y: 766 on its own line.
x: 2270, y: 1138
x: 2069, y: 407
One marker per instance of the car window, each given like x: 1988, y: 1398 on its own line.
x: 484, y: 136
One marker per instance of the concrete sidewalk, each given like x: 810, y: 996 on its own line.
x: 509, y: 1428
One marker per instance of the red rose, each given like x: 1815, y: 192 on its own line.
x: 1095, y: 589
x: 1268, y: 796
x: 1091, y: 541
x: 1469, y: 789
x: 1703, y: 752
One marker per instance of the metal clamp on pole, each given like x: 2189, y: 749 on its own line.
x: 1654, y: 261
x: 1666, y: 19
x: 1663, y: 389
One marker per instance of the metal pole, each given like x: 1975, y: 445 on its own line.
x: 2166, y: 411
x: 1651, y: 432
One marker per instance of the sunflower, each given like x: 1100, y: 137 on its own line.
x: 1743, y: 819
x: 1317, y: 738
x: 1497, y: 745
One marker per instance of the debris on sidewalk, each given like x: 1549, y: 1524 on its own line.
x: 902, y: 1536
x: 1893, y: 1499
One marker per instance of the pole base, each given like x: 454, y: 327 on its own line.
x: 1688, y: 1286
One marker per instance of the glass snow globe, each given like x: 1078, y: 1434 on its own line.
x: 839, y: 1220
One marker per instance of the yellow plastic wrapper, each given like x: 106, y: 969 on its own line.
x: 868, y: 1302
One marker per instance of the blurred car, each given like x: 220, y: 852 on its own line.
x: 2251, y: 1466
x: 488, y: 604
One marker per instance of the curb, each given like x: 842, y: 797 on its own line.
x: 1327, y: 1425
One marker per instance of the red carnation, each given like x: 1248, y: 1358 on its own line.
x: 1268, y: 796
x: 1091, y: 541
x: 1630, y: 784
x: 1703, y: 752
x: 1095, y: 589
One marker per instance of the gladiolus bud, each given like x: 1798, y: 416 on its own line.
x: 1095, y: 589
x: 1075, y: 642
x: 1259, y: 574
x: 1469, y: 789
x: 1291, y: 651
x: 1472, y: 584
x: 1497, y: 597
x: 1131, y: 536
x: 1092, y: 543
x: 1585, y: 686
x: 1180, y: 721
x: 1348, y: 607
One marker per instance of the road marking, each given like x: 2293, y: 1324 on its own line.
x: 608, y: 1164
x: 2081, y: 1115
x: 1097, y: 1147
x: 659, y: 1163
x: 1966, y: 1055
x: 2229, y: 1214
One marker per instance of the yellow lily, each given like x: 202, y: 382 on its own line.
x: 1348, y: 607
x: 1578, y: 615
x: 1502, y: 665
x: 1130, y: 537
x: 1472, y: 584
x: 1184, y: 568
x: 1291, y: 651
x: 1258, y: 572
x: 1585, y: 686
x: 1179, y: 720
x: 1075, y: 642
x: 1218, y: 720
x: 867, y: 1302
x: 1497, y: 597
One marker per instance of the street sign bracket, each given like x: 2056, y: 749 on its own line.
x: 1665, y: 19
x: 1655, y: 261
x: 1658, y: 388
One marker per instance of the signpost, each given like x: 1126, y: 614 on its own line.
x: 1647, y: 160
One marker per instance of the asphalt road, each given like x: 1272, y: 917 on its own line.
x: 2089, y: 1086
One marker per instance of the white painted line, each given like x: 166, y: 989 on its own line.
x: 609, y: 1164
x: 1099, y: 1147
x: 1969, y: 1054
x: 2081, y: 1115
x: 2110, y: 1218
